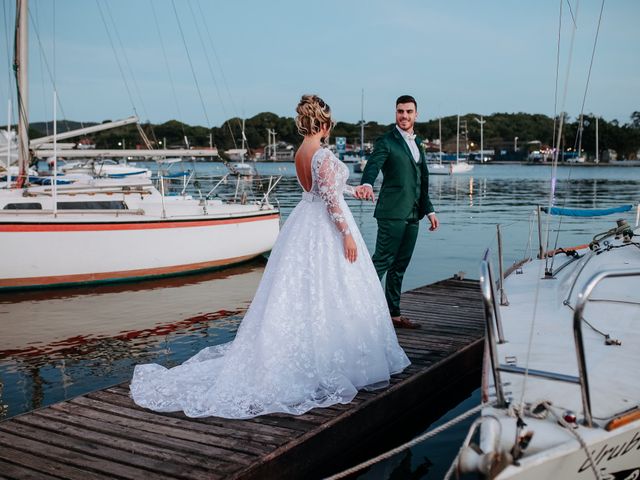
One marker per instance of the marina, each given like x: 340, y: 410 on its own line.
x: 129, y: 245
x: 103, y: 434
x: 63, y: 343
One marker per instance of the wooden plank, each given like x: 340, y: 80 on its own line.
x: 11, y: 471
x: 28, y: 462
x: 247, y: 425
x: 164, y: 436
x: 83, y: 441
x: 60, y: 462
x: 238, y: 438
x: 126, y: 451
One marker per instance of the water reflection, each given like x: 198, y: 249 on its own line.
x: 61, y: 343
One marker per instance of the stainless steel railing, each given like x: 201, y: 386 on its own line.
x: 494, y: 324
x: 582, y: 299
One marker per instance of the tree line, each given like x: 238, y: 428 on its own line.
x: 500, y: 131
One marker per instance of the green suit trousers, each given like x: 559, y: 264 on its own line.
x: 394, y: 247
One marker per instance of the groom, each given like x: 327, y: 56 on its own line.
x: 402, y: 202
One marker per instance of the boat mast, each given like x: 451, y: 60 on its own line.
x: 362, y: 125
x: 244, y: 140
x: 9, y: 144
x: 458, y: 140
x: 440, y: 139
x: 20, y: 68
x: 597, y: 159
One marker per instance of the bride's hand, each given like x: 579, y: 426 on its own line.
x: 350, y: 249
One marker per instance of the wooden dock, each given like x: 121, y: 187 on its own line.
x: 104, y: 435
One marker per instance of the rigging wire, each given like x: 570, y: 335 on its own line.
x: 44, y: 95
x: 554, y: 168
x: 166, y: 63
x: 8, y: 49
x: 50, y: 70
x: 124, y: 78
x: 211, y: 72
x: 215, y: 53
x: 551, y: 195
x: 219, y: 63
x: 579, y: 132
x: 586, y: 87
x: 193, y: 72
x: 574, y: 17
x: 126, y: 61
x: 555, y: 93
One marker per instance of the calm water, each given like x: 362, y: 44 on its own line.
x: 61, y: 343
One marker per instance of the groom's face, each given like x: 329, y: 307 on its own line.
x: 406, y: 114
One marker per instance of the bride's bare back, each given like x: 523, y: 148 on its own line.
x: 303, y: 164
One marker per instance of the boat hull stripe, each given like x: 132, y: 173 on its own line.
x: 119, y: 275
x: 142, y: 225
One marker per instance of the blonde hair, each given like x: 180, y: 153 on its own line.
x: 313, y: 114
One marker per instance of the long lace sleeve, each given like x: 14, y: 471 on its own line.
x: 349, y: 190
x: 327, y: 173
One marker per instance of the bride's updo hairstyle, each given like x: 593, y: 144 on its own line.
x: 313, y: 114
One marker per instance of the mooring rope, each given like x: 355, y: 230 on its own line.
x: 409, y: 444
x: 573, y: 431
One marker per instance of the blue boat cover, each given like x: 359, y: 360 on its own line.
x: 586, y: 212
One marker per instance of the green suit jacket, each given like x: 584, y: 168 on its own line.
x: 405, y: 182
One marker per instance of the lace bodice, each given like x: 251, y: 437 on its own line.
x: 329, y: 182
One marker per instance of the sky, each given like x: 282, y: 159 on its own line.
x: 243, y: 57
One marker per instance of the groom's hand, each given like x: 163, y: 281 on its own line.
x: 365, y: 192
x: 435, y: 223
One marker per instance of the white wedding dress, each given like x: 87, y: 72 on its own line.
x: 318, y: 328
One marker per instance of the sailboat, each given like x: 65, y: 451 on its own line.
x: 560, y: 384
x: 460, y: 166
x: 361, y: 160
x: 107, y: 230
x: 241, y: 168
x: 560, y: 373
x: 436, y: 167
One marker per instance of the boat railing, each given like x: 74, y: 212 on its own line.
x: 229, y: 188
x: 493, y: 324
x: 91, y: 211
x: 583, y: 297
x: 494, y: 336
x: 492, y: 316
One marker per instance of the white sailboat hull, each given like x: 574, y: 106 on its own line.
x: 61, y: 253
x: 438, y: 169
x: 153, y: 236
x: 460, y: 167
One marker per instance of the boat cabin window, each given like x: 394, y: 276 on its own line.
x: 23, y: 206
x: 93, y: 205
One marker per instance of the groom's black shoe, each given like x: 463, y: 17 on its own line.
x: 404, y: 322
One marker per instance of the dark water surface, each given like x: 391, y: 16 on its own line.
x: 57, y: 344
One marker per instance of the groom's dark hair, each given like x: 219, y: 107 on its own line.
x: 406, y: 99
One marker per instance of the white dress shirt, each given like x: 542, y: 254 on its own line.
x: 410, y: 138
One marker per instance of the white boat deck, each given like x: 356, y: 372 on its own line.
x: 610, y: 367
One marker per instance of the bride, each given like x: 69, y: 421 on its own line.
x: 318, y: 328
